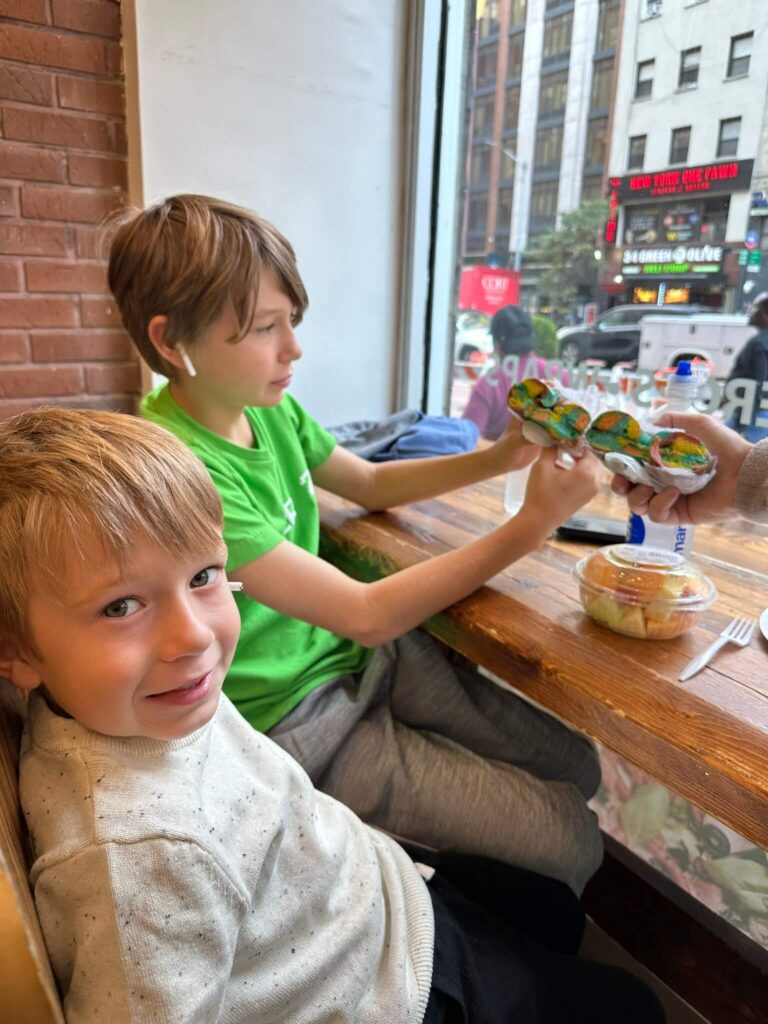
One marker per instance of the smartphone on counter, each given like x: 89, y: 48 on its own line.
x: 593, y: 530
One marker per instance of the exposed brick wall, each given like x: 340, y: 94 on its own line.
x: 62, y: 171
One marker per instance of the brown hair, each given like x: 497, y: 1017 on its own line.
x: 69, y: 473
x: 184, y: 258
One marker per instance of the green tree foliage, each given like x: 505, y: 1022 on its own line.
x: 545, y: 344
x: 569, y: 252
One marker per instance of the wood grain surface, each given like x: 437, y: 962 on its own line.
x: 707, y: 738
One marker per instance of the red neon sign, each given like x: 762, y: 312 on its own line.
x: 612, y: 224
x: 732, y: 176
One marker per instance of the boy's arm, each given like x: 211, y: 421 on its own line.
x: 382, y: 485
x: 302, y: 586
x: 163, y: 950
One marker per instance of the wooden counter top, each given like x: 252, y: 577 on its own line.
x: 707, y: 738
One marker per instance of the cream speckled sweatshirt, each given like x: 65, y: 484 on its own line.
x: 204, y: 879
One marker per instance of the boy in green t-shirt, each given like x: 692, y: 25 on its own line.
x: 428, y: 750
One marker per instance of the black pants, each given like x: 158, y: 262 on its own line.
x: 505, y: 953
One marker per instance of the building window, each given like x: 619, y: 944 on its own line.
x: 549, y: 146
x: 480, y: 165
x: 602, y: 80
x: 650, y: 8
x: 597, y: 141
x: 689, y: 68
x: 553, y: 93
x: 591, y: 189
x: 483, y: 122
x: 714, y: 219
x: 678, y: 149
x: 504, y: 211
x: 728, y: 138
x: 636, y: 157
x: 507, y: 170
x: 644, y: 80
x: 486, y: 65
x: 488, y: 23
x: 512, y: 108
x: 544, y: 198
x: 478, y: 212
x: 607, y: 24
x: 741, y: 51
x: 517, y: 12
x: 557, y: 37
x: 515, y: 55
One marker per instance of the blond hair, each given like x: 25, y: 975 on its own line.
x: 184, y: 258
x: 70, y: 473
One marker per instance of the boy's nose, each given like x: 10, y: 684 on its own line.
x: 292, y: 350
x: 183, y: 633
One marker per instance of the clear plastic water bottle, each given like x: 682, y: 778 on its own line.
x: 672, y: 537
x: 681, y: 391
x: 514, y: 490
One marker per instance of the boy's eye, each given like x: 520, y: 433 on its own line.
x: 265, y: 330
x: 205, y: 576
x: 121, y: 608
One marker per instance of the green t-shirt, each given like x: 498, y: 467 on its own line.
x: 268, y: 497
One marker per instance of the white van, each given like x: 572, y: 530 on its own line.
x: 717, y: 337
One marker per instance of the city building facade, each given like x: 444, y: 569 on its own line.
x: 688, y: 116
x: 539, y: 116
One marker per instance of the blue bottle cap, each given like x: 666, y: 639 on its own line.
x: 683, y: 369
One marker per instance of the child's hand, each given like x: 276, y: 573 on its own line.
x: 553, y: 494
x: 512, y: 451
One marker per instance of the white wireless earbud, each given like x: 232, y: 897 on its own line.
x: 188, y: 365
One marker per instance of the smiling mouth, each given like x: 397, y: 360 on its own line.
x: 186, y: 689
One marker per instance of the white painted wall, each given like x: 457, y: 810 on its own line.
x: 295, y: 110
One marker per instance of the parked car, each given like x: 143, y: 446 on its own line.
x: 715, y: 338
x: 615, y: 334
x: 473, y: 341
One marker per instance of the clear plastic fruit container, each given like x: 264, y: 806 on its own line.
x: 643, y: 591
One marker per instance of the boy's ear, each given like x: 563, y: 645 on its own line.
x: 15, y: 667
x: 156, y: 333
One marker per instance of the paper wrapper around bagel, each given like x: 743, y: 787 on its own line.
x: 656, y: 458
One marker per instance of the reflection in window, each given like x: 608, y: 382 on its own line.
x: 728, y: 138
x: 553, y: 94
x: 512, y: 108
x: 504, y: 211
x: 486, y: 65
x: 488, y: 22
x: 557, y: 36
x: 480, y: 165
x: 483, y: 122
x: 607, y: 24
x: 602, y: 77
x: 549, y: 146
x: 478, y: 212
x: 507, y: 169
x: 591, y: 189
x: 678, y: 150
x: 644, y: 81
x: 517, y: 12
x: 689, y: 68
x: 597, y: 141
x: 741, y: 51
x: 515, y: 55
x: 543, y: 207
x: 636, y: 155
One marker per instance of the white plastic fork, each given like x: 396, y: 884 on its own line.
x: 738, y: 632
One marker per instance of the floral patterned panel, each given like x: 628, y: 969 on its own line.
x: 724, y: 871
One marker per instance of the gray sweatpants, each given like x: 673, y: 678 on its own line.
x: 433, y: 752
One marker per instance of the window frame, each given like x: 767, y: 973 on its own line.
x: 683, y: 70
x: 643, y: 82
x: 731, y: 72
x: 721, y: 140
x: 633, y: 139
x: 672, y: 155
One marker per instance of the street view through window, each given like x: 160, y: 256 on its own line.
x: 615, y: 190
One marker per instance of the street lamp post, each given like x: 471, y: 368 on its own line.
x: 517, y: 221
